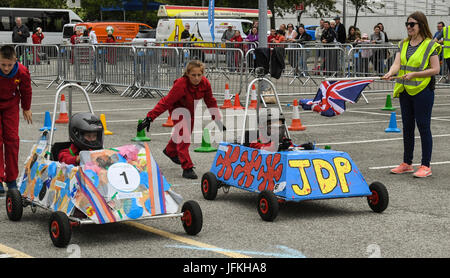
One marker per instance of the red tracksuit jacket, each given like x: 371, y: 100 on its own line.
x: 14, y: 89
x: 183, y: 94
x: 69, y: 156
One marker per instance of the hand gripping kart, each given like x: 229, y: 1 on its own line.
x: 110, y: 185
x: 292, y: 175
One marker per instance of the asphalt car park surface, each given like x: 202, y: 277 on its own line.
x: 415, y: 224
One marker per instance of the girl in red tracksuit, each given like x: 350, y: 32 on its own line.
x: 15, y: 88
x: 192, y: 86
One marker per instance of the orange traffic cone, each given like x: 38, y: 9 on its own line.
x: 254, y: 101
x: 169, y: 122
x: 227, y: 101
x: 296, y: 123
x: 237, y: 103
x: 63, y: 117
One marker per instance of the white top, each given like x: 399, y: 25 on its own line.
x: 93, y: 37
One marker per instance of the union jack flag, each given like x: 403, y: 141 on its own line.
x: 332, y: 95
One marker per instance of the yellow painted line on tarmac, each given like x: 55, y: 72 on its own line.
x: 185, y: 240
x: 13, y: 252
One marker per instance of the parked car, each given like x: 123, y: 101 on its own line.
x: 147, y: 37
x: 311, y: 30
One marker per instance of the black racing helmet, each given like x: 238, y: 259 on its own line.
x: 82, y: 123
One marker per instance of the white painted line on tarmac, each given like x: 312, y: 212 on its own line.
x: 289, y: 252
x: 347, y: 123
x: 376, y: 140
x: 415, y: 164
x: 371, y: 113
x: 85, y: 102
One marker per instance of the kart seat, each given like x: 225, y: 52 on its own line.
x: 250, y: 134
x: 57, y: 148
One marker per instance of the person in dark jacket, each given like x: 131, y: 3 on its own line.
x: 20, y: 32
x: 302, y: 38
x: 328, y: 34
x: 330, y: 56
x: 340, y: 30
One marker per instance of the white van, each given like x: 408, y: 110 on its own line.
x: 170, y: 29
x: 51, y: 21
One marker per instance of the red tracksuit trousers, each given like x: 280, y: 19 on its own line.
x: 9, y: 143
x: 181, y: 149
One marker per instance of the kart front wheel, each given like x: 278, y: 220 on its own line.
x: 192, y: 217
x: 267, y: 205
x: 209, y: 186
x: 60, y: 229
x: 379, y: 199
x: 14, y: 205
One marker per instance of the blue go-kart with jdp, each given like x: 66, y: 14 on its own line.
x: 110, y: 185
x: 294, y: 174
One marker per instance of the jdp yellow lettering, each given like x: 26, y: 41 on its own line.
x: 343, y: 166
x: 301, y: 165
x: 326, y: 185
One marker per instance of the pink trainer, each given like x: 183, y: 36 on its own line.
x: 423, y: 172
x: 402, y: 168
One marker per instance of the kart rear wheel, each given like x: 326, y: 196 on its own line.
x: 379, y: 199
x: 192, y: 217
x: 267, y: 205
x: 209, y: 186
x: 14, y: 205
x: 60, y: 229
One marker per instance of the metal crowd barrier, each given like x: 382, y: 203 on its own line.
x: 77, y: 64
x: 115, y: 67
x: 149, y: 71
x: 156, y: 69
x: 223, y: 66
x: 41, y: 61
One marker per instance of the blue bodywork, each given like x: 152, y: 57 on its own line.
x: 293, y: 175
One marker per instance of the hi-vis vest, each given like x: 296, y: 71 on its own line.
x: 419, y: 61
x: 446, y: 38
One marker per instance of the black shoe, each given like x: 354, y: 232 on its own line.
x: 11, y: 184
x: 174, y: 159
x: 189, y: 174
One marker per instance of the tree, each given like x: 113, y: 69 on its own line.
x: 366, y: 4
x: 54, y: 4
x: 277, y: 7
x: 280, y: 7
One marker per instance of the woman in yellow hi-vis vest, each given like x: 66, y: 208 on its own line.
x: 416, y: 64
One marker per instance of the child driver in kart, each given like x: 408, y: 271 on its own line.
x: 86, y: 133
x: 273, y: 136
x: 276, y: 137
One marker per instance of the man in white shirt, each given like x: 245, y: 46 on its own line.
x: 319, y: 30
x: 92, y: 36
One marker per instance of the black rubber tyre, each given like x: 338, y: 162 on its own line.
x: 59, y: 229
x: 379, y: 199
x: 14, y: 205
x: 192, y: 217
x: 267, y: 205
x: 209, y: 186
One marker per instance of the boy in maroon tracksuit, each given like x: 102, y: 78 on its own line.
x: 15, y: 88
x: 192, y: 86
